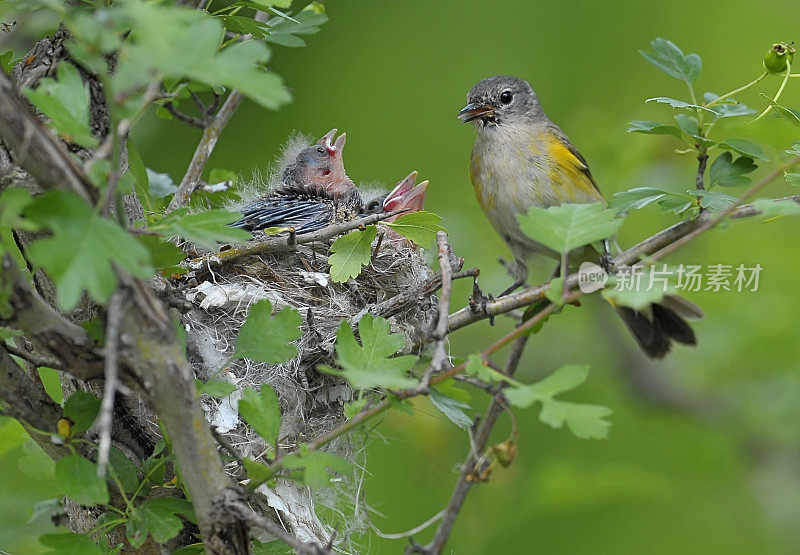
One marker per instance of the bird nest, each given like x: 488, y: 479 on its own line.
x: 311, y: 402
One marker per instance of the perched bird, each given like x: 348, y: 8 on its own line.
x: 522, y: 159
x: 313, y: 193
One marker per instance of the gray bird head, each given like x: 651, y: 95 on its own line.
x: 500, y: 99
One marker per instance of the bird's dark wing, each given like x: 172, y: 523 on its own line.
x: 304, y: 215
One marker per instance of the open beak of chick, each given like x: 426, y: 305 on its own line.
x: 406, y: 195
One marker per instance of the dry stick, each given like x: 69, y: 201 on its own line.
x: 280, y: 244
x: 275, y: 529
x: 463, y: 485
x: 663, y: 238
x: 439, y: 352
x: 203, y: 151
x: 105, y: 419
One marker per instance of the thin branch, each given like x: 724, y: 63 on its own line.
x: 281, y: 244
x: 276, y: 530
x: 35, y: 359
x: 106, y: 416
x: 185, y: 118
x: 415, y: 530
x: 203, y: 151
x: 465, y: 480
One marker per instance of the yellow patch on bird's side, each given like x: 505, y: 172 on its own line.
x: 571, y: 174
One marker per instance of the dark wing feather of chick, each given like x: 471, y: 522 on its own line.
x: 304, y: 215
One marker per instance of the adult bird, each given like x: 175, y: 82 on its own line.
x: 522, y: 159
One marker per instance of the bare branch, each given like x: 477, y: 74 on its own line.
x: 106, y: 415
x: 204, y: 149
x: 282, y: 244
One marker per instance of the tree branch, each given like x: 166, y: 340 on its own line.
x: 35, y: 147
x: 203, y: 151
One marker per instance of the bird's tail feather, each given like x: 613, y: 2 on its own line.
x: 657, y: 326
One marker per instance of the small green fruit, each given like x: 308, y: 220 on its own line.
x: 777, y: 57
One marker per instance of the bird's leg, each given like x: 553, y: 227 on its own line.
x: 519, y: 271
x: 511, y: 268
x: 606, y: 260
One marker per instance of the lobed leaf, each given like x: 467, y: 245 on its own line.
x: 205, y: 229
x: 369, y: 364
x: 81, y: 254
x: 729, y: 173
x: 262, y: 411
x: 569, y: 226
x: 350, y: 253
x: 77, y: 478
x: 265, y: 338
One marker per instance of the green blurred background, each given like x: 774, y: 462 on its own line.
x: 704, y: 453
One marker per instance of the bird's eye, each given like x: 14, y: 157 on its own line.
x: 506, y: 97
x: 373, y: 205
x: 320, y: 151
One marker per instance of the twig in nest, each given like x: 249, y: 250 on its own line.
x: 35, y: 359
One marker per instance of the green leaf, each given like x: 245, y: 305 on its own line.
x: 569, y: 226
x: 585, y: 421
x: 745, y: 148
x: 164, y: 255
x: 257, y: 472
x: 77, y: 478
x: 214, y: 389
x: 713, y: 200
x: 181, y: 43
x: 7, y: 61
x: 35, y: 463
x: 141, y: 181
x: 789, y: 114
x: 475, y: 367
x: 670, y: 59
x: 350, y: 253
x: 12, y: 204
x: 728, y: 173
x: 123, y: 469
x: 653, y: 128
x: 679, y: 104
x: 555, y: 293
x: 772, y: 208
x: 368, y: 365
x: 244, y: 25
x: 82, y: 409
x: 354, y: 407
x: 637, y: 298
x: 691, y: 127
x: 452, y: 409
x: 68, y: 543
x: 793, y: 178
x: 262, y: 411
x: 66, y: 103
x: 264, y: 338
x: 315, y: 465
x: 729, y: 108
x: 205, y: 229
x: 418, y: 227
x: 158, y: 517
x: 636, y: 199
x: 305, y: 22
x: 84, y: 246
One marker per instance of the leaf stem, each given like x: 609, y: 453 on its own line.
x: 778, y: 94
x: 735, y: 91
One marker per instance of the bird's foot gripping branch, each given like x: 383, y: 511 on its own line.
x: 94, y: 286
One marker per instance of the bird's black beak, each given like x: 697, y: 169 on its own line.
x: 475, y: 111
